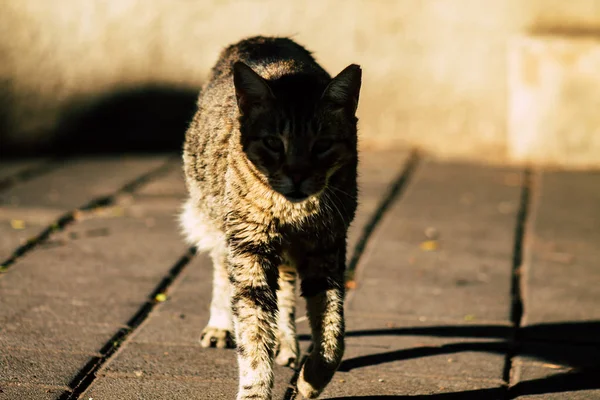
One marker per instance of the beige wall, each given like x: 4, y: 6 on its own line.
x: 435, y: 71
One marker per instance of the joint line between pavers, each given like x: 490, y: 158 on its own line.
x: 87, y: 375
x: 69, y: 217
x: 394, y: 192
x: 29, y: 173
x: 523, y: 226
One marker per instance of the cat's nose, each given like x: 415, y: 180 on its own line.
x: 296, y: 178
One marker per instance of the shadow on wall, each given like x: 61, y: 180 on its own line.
x: 144, y: 119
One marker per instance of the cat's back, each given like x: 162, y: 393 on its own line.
x: 270, y: 57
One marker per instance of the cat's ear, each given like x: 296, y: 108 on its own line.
x: 343, y: 90
x: 251, y: 90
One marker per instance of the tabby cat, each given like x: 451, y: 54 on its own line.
x: 270, y: 165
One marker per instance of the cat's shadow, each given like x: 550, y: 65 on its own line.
x: 549, y: 343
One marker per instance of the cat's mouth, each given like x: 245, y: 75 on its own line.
x: 296, y: 196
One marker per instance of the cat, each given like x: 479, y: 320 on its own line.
x: 270, y: 163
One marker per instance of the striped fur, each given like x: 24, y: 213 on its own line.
x: 270, y: 164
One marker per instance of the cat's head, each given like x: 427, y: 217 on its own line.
x: 298, y: 130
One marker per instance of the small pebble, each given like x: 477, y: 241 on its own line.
x: 381, y: 380
x: 429, y: 245
x: 432, y: 233
x: 17, y: 224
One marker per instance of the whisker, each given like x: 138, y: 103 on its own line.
x: 341, y: 202
x: 341, y: 191
x: 336, y: 208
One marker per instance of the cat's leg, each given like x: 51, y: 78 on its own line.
x: 325, y: 307
x: 201, y: 232
x: 288, y: 351
x: 219, y: 330
x: 254, y: 305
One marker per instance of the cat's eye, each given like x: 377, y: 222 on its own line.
x: 273, y: 144
x: 322, y: 145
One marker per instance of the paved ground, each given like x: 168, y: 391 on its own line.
x: 471, y: 282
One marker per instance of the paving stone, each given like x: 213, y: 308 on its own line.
x: 556, y: 371
x: 31, y: 307
x: 372, y: 385
x: 11, y: 239
x: 24, y: 391
x: 429, y: 357
x: 20, y: 225
x: 425, y: 348
x: 377, y: 172
x: 158, y: 361
x: 368, y: 327
x: 79, y: 181
x: 411, y: 355
x: 436, y: 284
x: 80, y: 285
x: 190, y: 295
x: 171, y: 184
x: 190, y: 303
x: 43, y: 335
x: 104, y: 261
x: 559, y: 386
x: 42, y: 200
x: 561, y: 279
x: 576, y: 332
x: 94, y: 271
x: 560, y: 355
x: 570, y: 395
x: 119, y: 388
x: 9, y: 169
x: 41, y: 367
x: 462, y: 270
x: 147, y: 207
x: 172, y: 328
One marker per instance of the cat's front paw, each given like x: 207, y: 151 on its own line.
x: 217, y: 337
x: 314, y: 377
x: 288, y: 354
